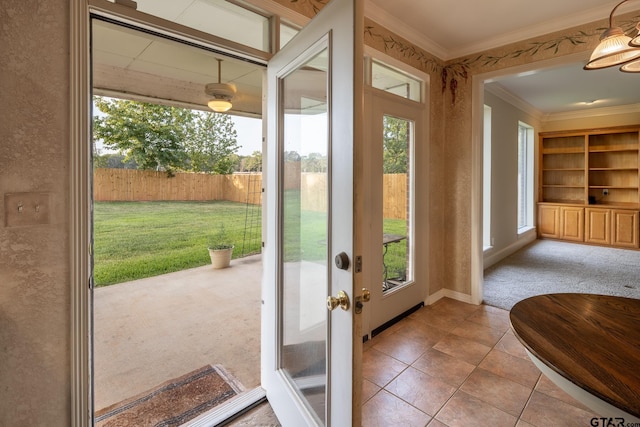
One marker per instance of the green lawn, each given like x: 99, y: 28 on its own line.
x: 133, y: 240
x: 396, y: 258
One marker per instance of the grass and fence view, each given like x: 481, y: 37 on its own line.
x: 138, y: 239
x: 133, y: 240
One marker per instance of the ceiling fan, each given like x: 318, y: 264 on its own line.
x: 221, y: 93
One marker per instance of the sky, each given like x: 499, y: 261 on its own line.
x: 249, y: 132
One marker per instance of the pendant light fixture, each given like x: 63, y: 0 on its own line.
x: 615, y: 48
x: 221, y: 93
x: 633, y: 66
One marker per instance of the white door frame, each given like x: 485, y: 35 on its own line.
x: 80, y: 173
x: 344, y: 402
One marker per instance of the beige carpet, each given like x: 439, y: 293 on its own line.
x: 550, y: 266
x: 174, y: 402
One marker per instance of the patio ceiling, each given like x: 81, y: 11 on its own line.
x: 135, y: 65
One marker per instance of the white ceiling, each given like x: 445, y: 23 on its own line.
x: 448, y: 29
x: 452, y: 29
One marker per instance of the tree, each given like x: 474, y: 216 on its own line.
x: 113, y: 161
x: 211, y: 144
x: 167, y: 138
x: 253, y: 163
x: 291, y: 156
x: 150, y: 134
x: 314, y: 162
x: 396, y: 145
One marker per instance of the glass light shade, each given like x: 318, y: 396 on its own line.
x: 613, y: 50
x: 219, y: 105
x: 631, y: 67
x: 635, y: 42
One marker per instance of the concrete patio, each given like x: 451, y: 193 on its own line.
x: 151, y: 330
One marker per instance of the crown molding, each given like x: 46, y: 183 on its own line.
x: 592, y: 112
x: 415, y: 36
x: 499, y: 91
x: 547, y: 27
x: 384, y: 18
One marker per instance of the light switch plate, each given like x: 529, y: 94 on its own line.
x: 22, y: 209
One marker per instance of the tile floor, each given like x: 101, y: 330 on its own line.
x: 454, y: 364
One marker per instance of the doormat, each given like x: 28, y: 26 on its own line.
x: 173, y: 402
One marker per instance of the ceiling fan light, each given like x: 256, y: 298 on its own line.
x: 613, y: 50
x: 220, y: 105
x: 222, y: 93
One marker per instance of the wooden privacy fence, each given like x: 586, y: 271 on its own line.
x: 138, y: 185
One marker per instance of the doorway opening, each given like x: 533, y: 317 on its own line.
x: 167, y: 325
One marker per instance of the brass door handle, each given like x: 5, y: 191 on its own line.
x: 361, y: 299
x: 341, y: 300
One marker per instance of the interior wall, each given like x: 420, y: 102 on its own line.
x: 504, y: 172
x: 463, y: 273
x: 34, y: 259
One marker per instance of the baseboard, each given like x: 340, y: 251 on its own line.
x: 395, y: 320
x: 524, y: 240
x: 448, y: 293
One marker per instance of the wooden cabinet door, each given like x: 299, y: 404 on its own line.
x: 624, y: 228
x: 598, y: 226
x: 549, y: 221
x: 572, y: 223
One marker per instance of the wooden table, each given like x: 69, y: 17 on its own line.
x: 589, y: 345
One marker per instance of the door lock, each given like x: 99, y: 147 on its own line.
x: 361, y: 299
x: 342, y: 261
x: 341, y: 300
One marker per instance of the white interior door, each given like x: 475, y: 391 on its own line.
x: 394, y: 132
x: 308, y: 351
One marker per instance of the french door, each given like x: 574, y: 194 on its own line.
x: 310, y: 351
x: 394, y: 133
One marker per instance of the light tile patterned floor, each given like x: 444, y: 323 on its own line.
x: 455, y: 364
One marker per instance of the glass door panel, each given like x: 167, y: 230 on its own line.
x: 304, y: 228
x: 398, y: 135
x: 313, y: 127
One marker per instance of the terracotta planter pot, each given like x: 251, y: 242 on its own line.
x: 220, y: 258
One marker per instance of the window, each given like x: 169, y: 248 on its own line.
x: 525, y: 176
x: 287, y: 32
x: 218, y: 17
x: 486, y: 180
x: 397, y: 256
x: 390, y: 80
